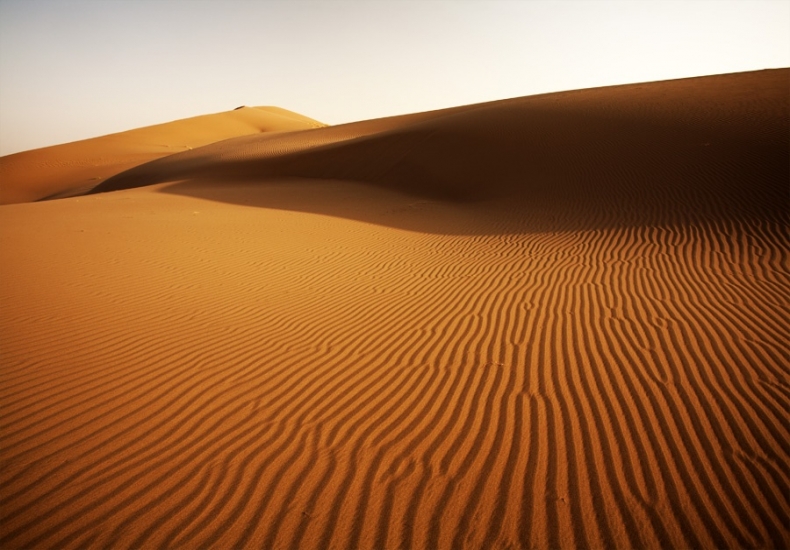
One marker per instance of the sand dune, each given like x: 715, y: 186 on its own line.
x: 551, y: 321
x: 73, y: 168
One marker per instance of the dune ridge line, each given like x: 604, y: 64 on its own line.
x: 556, y: 321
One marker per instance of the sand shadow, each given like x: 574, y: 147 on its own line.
x: 546, y: 206
x: 492, y: 177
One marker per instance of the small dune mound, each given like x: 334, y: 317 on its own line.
x: 74, y: 168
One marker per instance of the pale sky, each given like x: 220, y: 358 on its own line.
x: 75, y: 69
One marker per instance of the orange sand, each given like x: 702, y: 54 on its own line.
x: 73, y: 168
x: 551, y: 321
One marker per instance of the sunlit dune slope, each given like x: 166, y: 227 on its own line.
x: 557, y: 321
x: 71, y: 168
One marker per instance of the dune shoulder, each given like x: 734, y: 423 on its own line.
x: 71, y: 168
x: 662, y: 152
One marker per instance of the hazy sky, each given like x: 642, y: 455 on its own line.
x: 72, y: 69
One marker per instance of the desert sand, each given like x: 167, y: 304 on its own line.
x: 74, y: 168
x: 555, y: 321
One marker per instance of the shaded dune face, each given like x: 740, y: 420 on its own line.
x: 653, y: 151
x: 549, y: 322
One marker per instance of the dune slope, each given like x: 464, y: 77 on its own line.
x: 73, y: 168
x: 588, y: 145
x: 558, y: 321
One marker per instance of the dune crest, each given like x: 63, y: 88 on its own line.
x: 557, y: 321
x: 73, y: 168
x: 589, y: 143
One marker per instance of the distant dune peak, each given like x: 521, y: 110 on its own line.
x: 75, y: 168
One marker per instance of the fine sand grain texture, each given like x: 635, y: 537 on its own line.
x: 557, y: 321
